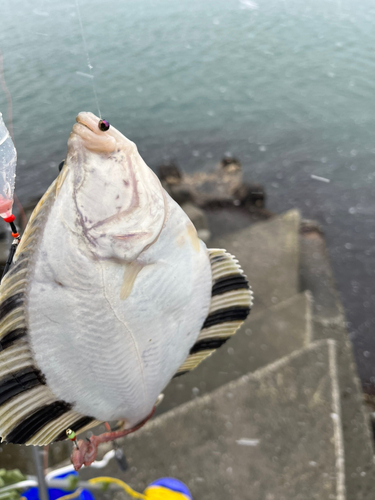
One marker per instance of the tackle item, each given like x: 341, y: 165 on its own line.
x: 57, y: 493
x: 165, y: 488
x: 168, y: 488
x: 8, y: 162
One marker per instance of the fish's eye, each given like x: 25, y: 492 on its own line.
x: 104, y: 125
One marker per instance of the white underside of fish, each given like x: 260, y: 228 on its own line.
x: 110, y: 296
x: 106, y: 351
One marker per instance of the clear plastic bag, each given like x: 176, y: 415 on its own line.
x: 8, y: 162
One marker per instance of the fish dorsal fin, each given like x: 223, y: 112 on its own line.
x: 231, y: 301
x: 29, y: 411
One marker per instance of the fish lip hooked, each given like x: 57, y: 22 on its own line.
x: 86, y: 129
x: 81, y: 122
x: 84, y: 124
x: 91, y: 122
x: 81, y: 130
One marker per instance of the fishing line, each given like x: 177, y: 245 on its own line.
x: 88, y: 57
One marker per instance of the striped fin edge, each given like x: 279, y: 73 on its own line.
x: 231, y: 302
x: 29, y: 411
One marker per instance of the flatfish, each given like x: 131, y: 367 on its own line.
x: 111, y: 295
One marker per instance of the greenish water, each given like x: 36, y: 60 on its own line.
x: 285, y: 85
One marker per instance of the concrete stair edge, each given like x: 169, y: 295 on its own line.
x: 328, y: 321
x: 174, y: 419
x: 256, y: 375
x: 268, y: 252
x: 264, y: 338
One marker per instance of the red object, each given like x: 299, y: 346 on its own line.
x: 15, y: 235
x: 9, y: 219
x: 86, y: 452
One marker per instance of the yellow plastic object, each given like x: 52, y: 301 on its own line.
x: 160, y: 493
x: 124, y: 486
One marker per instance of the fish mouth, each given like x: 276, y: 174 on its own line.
x: 88, y: 131
x: 90, y: 121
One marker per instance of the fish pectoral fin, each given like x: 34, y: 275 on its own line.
x: 130, y: 274
x: 231, y: 301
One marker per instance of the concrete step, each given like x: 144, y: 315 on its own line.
x: 269, y: 254
x: 263, y: 339
x: 279, y: 262
x: 273, y: 434
x: 329, y: 322
x: 316, y: 276
x: 356, y: 425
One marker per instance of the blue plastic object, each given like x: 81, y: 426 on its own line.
x: 173, y: 484
x: 54, y: 493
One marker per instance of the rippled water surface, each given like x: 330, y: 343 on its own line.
x: 285, y: 85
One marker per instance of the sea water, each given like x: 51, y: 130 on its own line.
x: 285, y: 85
